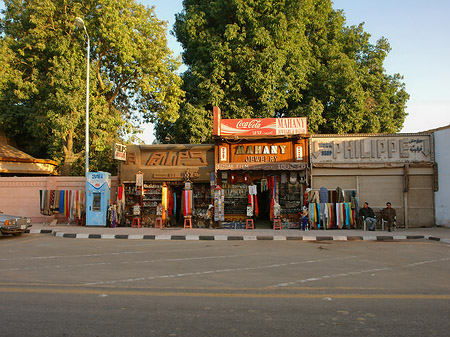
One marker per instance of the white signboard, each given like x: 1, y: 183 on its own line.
x: 373, y: 149
x: 119, y: 152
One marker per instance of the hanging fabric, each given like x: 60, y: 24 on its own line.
x: 175, y: 204
x: 187, y: 194
x: 339, y: 195
x: 311, y: 213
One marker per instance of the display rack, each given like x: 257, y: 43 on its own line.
x: 236, y: 198
x: 290, y: 198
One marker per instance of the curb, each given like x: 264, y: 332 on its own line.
x: 236, y: 237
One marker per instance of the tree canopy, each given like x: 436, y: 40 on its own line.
x: 43, y: 76
x: 282, y: 58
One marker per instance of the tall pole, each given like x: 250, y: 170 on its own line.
x: 87, y: 106
x: 80, y: 24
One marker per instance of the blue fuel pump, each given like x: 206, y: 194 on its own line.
x: 98, y: 195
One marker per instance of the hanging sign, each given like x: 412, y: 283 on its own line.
x: 219, y: 200
x: 139, y: 179
x: 223, y: 153
x: 119, y: 152
x: 298, y: 152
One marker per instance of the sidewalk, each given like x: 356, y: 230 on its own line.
x: 79, y: 232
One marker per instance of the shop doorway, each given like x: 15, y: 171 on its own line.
x: 177, y: 214
x: 263, y: 219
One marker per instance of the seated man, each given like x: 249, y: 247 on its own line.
x: 368, y: 216
x: 388, y: 214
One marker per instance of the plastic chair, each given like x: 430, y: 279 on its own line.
x: 276, y: 224
x: 159, y: 223
x: 136, y: 223
x: 394, y: 224
x: 249, y: 224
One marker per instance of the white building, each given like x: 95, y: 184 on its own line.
x: 442, y: 158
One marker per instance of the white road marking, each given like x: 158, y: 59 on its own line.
x: 124, y: 262
x: 216, y: 271
x: 318, y: 278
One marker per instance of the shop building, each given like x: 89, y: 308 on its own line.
x: 398, y: 168
x: 261, y: 165
x: 166, y: 182
x: 442, y: 194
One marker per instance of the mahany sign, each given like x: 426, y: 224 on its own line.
x: 372, y: 148
x: 258, y: 126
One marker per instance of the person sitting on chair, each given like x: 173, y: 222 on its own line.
x: 368, y: 216
x: 389, y: 215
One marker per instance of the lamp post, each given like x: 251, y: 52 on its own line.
x: 80, y: 24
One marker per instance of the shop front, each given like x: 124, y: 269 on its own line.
x: 163, y: 184
x: 398, y: 168
x: 262, y: 169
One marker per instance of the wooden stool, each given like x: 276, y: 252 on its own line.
x: 276, y: 224
x: 249, y: 224
x: 136, y: 223
x: 188, y: 219
x: 159, y: 223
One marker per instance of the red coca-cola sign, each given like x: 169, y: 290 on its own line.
x: 248, y: 124
x: 258, y: 126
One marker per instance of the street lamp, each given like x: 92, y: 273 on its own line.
x: 80, y: 24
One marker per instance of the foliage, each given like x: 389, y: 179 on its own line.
x: 281, y: 58
x: 43, y: 76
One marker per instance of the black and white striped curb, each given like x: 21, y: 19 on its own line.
x: 237, y: 237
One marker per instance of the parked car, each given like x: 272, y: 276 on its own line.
x: 12, y: 224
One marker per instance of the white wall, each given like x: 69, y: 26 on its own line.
x: 442, y: 197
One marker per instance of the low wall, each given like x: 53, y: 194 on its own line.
x: 20, y: 195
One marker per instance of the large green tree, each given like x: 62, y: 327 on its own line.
x: 282, y: 58
x: 43, y: 76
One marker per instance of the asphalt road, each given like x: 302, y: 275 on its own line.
x: 85, y: 287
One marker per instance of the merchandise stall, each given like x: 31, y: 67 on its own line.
x: 168, y: 183
x: 262, y: 167
x: 377, y: 168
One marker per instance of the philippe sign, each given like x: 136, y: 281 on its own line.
x: 258, y: 126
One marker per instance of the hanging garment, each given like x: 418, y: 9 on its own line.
x: 338, y: 215
x: 330, y: 215
x: 317, y: 213
x: 323, y: 214
x: 315, y: 198
x: 347, y: 215
x: 61, y: 201
x: 174, y: 204
x: 120, y: 193
x: 340, y: 195
x: 187, y: 202
x: 323, y: 195
x: 311, y: 213
x: 170, y: 209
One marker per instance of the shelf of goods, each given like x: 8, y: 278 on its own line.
x: 152, y: 198
x: 290, y: 198
x: 236, y: 198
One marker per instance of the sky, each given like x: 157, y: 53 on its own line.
x: 418, y: 32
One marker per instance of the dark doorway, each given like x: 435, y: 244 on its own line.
x: 177, y: 212
x: 263, y: 219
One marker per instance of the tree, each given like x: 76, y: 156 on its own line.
x: 42, y: 88
x: 281, y: 58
